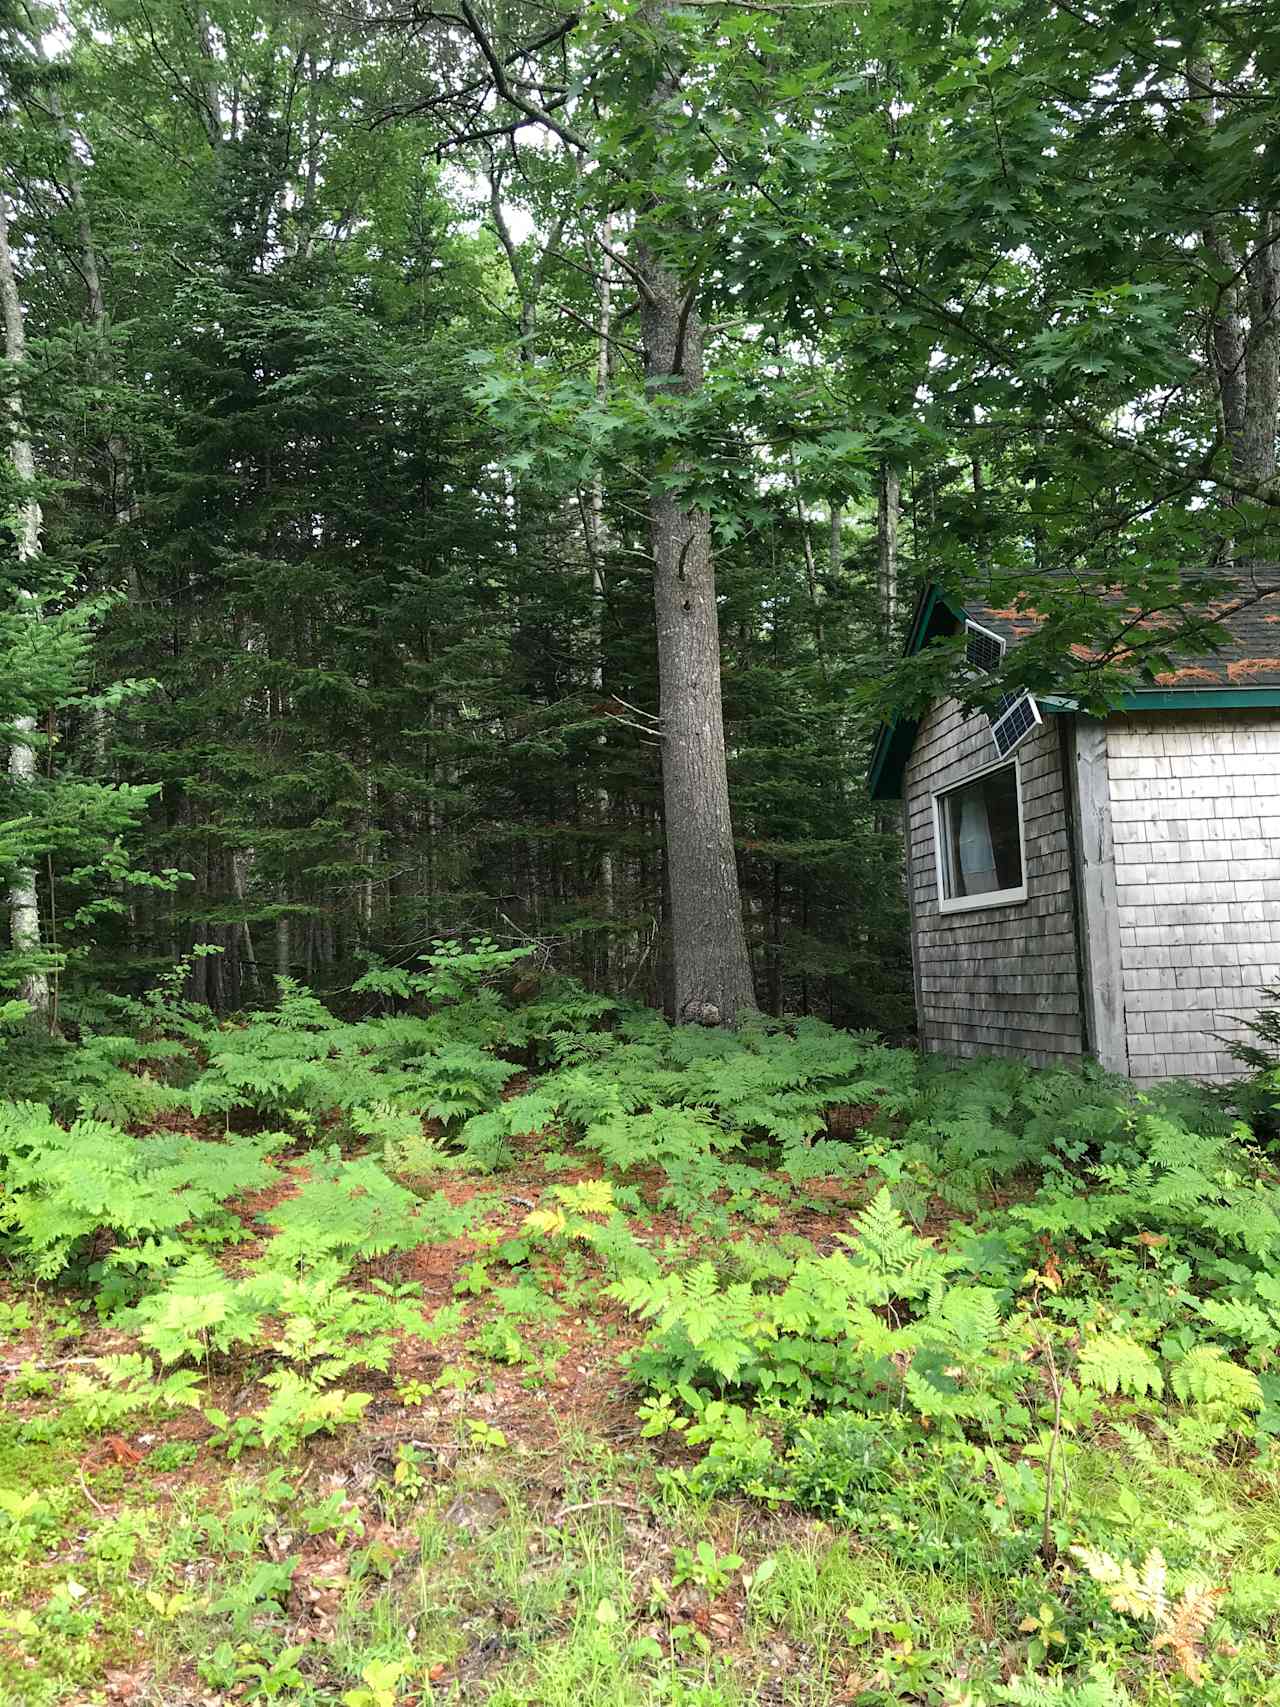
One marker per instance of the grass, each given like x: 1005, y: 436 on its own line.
x: 525, y: 1578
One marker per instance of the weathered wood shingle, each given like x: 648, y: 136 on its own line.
x: 1195, y: 808
x: 998, y: 980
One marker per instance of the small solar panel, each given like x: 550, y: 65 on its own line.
x: 1015, y: 724
x: 983, y: 651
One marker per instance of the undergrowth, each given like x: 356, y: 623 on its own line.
x: 993, y: 1326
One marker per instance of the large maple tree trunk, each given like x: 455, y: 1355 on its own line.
x: 711, y: 972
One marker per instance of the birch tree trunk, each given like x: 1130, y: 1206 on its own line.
x: 888, y: 511
x: 598, y: 545
x: 24, y: 906
x: 712, y: 982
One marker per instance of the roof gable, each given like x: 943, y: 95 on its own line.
x: 935, y: 616
x: 1243, y: 672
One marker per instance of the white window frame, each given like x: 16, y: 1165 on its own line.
x: 992, y: 897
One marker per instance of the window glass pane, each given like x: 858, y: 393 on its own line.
x: 982, y: 841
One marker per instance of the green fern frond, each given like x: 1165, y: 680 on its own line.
x: 1112, y: 1363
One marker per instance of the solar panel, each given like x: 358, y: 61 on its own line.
x: 1003, y: 704
x: 1015, y: 724
x: 983, y: 651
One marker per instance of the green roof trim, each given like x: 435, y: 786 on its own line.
x: 937, y: 614
x: 1198, y: 699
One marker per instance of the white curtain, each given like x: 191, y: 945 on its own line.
x: 976, y: 856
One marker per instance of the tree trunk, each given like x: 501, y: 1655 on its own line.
x: 242, y: 933
x: 209, y: 91
x: 598, y: 542
x: 1262, y: 352
x: 888, y: 510
x: 1244, y: 327
x: 119, y: 469
x: 775, y: 942
x: 1226, y: 334
x: 24, y: 905
x: 810, y: 573
x: 284, y: 947
x: 119, y: 461
x: 711, y: 972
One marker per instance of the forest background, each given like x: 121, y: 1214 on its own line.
x: 369, y: 368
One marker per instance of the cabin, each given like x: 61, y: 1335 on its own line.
x: 1093, y: 888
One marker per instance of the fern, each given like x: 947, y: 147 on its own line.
x: 1111, y: 1363
x: 299, y: 1057
x: 964, y: 1323
x: 1206, y: 1376
x: 1184, y: 1626
x: 1100, y: 1690
x: 1143, y: 1593
x: 1242, y: 1319
x: 299, y: 1409
x: 888, y: 1248
x: 124, y: 1387
x: 352, y: 1210
x: 652, y: 1095
x: 485, y: 1137
x: 821, y: 1336
x: 66, y: 1187
x: 312, y: 1321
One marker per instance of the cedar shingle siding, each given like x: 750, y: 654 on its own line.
x: 998, y: 980
x: 1152, y: 923
x: 1195, y: 819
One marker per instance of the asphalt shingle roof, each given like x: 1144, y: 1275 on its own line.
x: 1250, y: 657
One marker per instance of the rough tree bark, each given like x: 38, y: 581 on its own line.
x: 1244, y: 347
x: 1262, y: 350
x: 712, y: 974
x: 711, y: 971
x: 24, y: 905
x: 1244, y: 324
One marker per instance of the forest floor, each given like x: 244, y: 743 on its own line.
x: 537, y: 1504
x: 499, y: 1532
x: 498, y: 1521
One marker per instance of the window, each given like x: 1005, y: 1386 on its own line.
x: 978, y: 827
